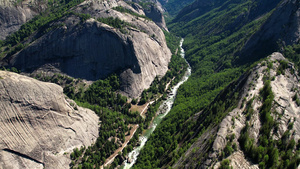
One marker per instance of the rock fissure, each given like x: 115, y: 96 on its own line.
x: 23, y: 155
x: 67, y: 128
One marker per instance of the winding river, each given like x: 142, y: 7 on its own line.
x: 163, y: 110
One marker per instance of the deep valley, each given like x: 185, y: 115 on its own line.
x: 111, y: 84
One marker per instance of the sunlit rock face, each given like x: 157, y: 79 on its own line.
x: 39, y: 128
x: 92, y: 50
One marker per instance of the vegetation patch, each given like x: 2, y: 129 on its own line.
x: 225, y: 164
x: 116, y: 23
x: 293, y: 53
x: 125, y: 10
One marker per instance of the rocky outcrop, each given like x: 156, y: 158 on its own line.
x: 156, y: 14
x: 39, y: 127
x: 285, y: 111
x: 238, y: 160
x: 152, y: 9
x: 13, y: 14
x: 284, y: 88
x: 92, y: 50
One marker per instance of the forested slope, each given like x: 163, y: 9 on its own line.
x: 215, y: 35
x: 260, y: 129
x: 174, y: 6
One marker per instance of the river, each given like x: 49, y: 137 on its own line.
x: 163, y: 110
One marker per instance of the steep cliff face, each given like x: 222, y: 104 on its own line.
x: 152, y: 9
x: 229, y: 134
x: 39, y: 127
x: 14, y: 14
x: 155, y: 12
x: 92, y: 50
x: 281, y: 28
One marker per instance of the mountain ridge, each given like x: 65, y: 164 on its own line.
x: 236, y: 118
x: 276, y: 32
x: 131, y: 38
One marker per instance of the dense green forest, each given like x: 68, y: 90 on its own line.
x: 174, y: 6
x: 125, y: 10
x: 173, y: 146
x: 293, y: 54
x: 212, y: 42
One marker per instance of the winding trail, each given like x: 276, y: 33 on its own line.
x: 111, y: 158
x: 144, y: 110
x: 163, y: 110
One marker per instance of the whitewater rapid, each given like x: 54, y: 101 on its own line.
x: 163, y: 110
